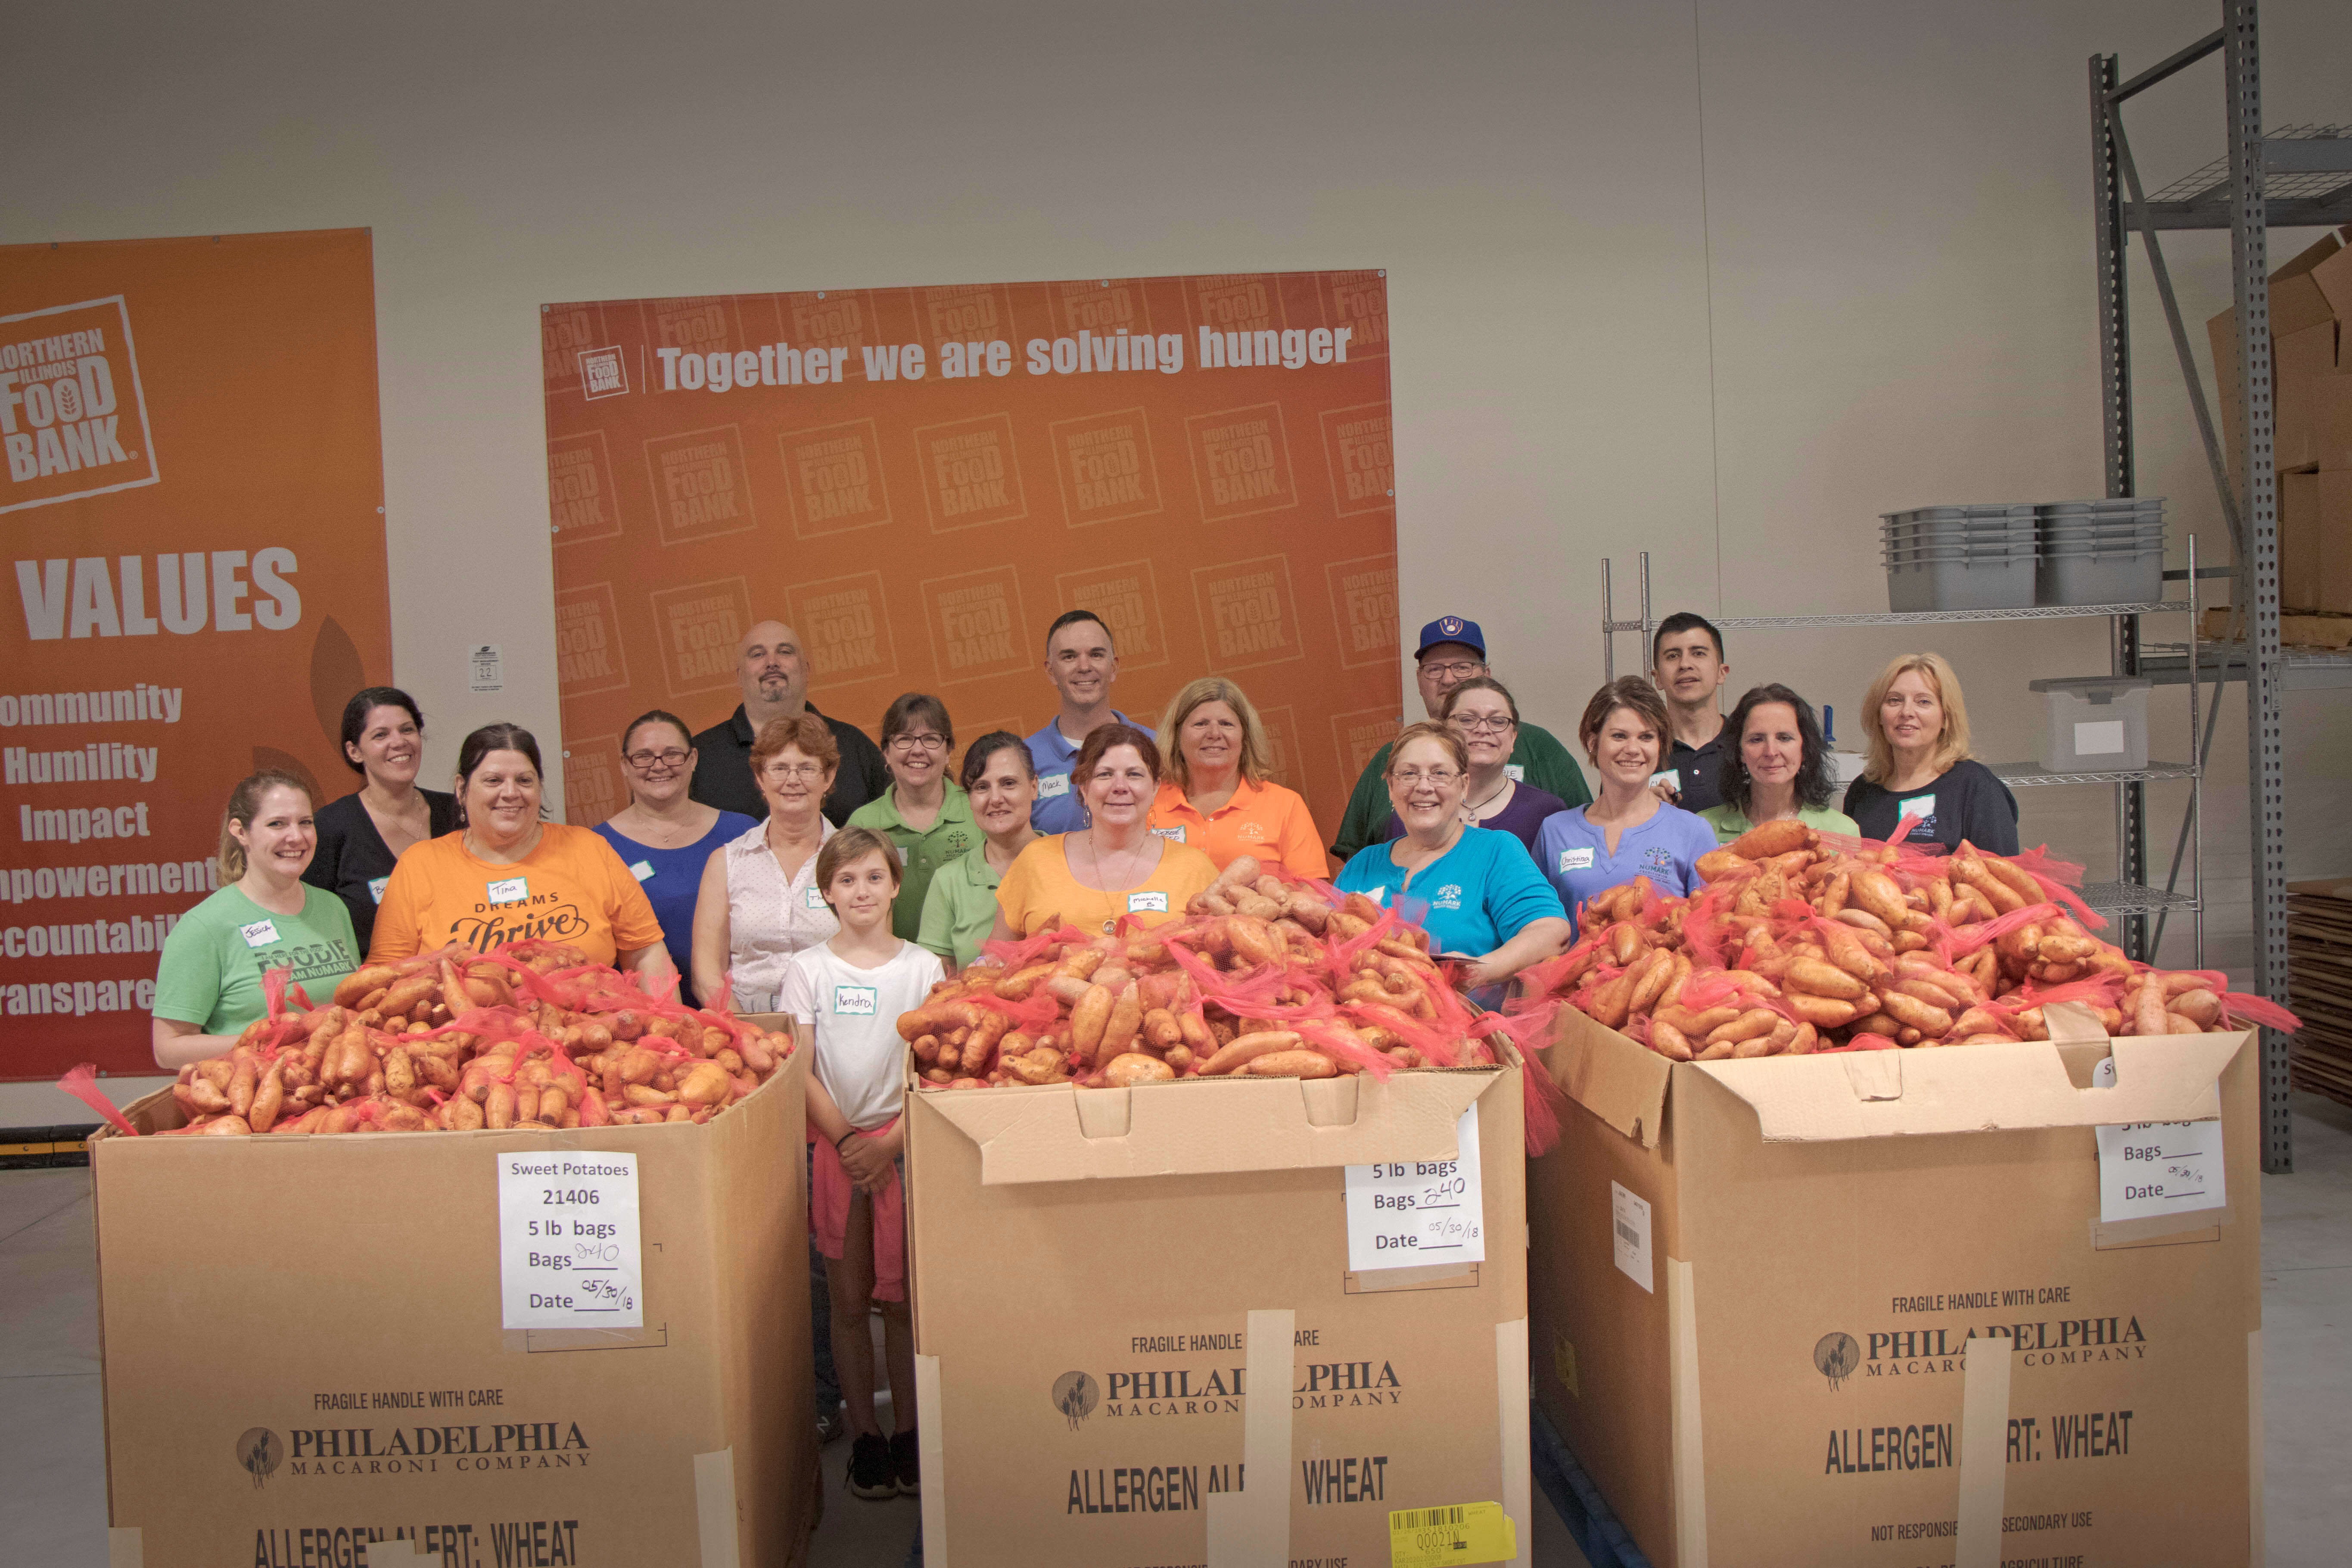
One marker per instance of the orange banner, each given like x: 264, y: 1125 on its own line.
x: 193, y: 507
x: 919, y: 481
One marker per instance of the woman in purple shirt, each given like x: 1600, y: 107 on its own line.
x: 1482, y: 712
x: 1629, y: 832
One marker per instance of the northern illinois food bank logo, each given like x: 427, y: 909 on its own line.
x: 700, y: 624
x: 73, y: 415
x: 591, y: 780
x: 1247, y: 615
x: 1241, y: 462
x: 977, y: 625
x: 845, y: 627
x: 701, y: 484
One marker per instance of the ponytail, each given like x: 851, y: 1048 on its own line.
x: 244, y: 802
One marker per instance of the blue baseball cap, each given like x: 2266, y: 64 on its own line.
x: 1451, y: 628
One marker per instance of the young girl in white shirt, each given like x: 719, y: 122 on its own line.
x: 845, y: 997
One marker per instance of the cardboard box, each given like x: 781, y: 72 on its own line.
x: 304, y: 1348
x: 2298, y: 541
x: 1753, y: 1286
x: 2304, y: 345
x: 2334, y: 529
x: 1106, y: 1280
x: 2299, y: 299
x: 2332, y: 275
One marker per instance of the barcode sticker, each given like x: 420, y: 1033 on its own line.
x: 1629, y: 1217
x: 1465, y: 1533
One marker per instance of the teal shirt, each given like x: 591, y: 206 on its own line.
x: 1729, y: 824
x: 1539, y: 756
x: 211, y: 970
x: 951, y: 835
x: 960, y: 911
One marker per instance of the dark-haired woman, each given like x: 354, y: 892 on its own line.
x: 923, y: 813
x: 263, y: 917
x: 1777, y: 767
x: 362, y: 835
x: 505, y: 874
x: 1000, y: 781
x: 663, y: 836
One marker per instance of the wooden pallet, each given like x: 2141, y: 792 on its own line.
x: 2319, y: 985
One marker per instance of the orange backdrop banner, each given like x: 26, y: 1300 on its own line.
x: 193, y: 504
x: 919, y: 481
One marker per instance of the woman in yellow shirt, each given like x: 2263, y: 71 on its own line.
x: 505, y: 874
x: 1114, y: 868
x: 1217, y: 797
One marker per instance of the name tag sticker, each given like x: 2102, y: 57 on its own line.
x: 856, y: 1001
x: 1173, y: 835
x: 1517, y: 774
x: 1051, y: 785
x: 1920, y: 812
x: 812, y: 898
x: 513, y: 890
x: 260, y: 933
x: 642, y: 870
x: 1576, y: 859
x: 1146, y: 903
x: 1669, y: 777
x: 375, y: 887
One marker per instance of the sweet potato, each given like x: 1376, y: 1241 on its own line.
x: 1765, y: 840
x: 1133, y: 1067
x: 1248, y: 1048
x: 1294, y: 1064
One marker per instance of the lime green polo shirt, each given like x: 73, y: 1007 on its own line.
x: 951, y: 836
x: 960, y: 911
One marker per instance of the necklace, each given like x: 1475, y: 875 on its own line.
x: 1094, y: 853
x: 1470, y: 813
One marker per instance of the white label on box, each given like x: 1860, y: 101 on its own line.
x: 1629, y: 1232
x: 2101, y: 738
x: 1407, y: 1214
x: 2149, y: 1168
x: 569, y: 1256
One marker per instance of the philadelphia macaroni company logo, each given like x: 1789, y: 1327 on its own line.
x: 1836, y: 1356
x: 259, y: 1454
x: 73, y: 414
x: 1076, y: 1396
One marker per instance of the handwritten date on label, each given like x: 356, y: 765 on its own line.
x: 569, y: 1248
x: 1407, y: 1214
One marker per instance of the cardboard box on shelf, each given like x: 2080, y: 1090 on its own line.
x: 305, y: 1348
x: 2302, y: 362
x: 2298, y: 298
x: 2332, y: 275
x: 2304, y: 345
x: 1754, y: 1286
x: 1140, y: 1337
x: 2298, y: 540
x: 2334, y: 529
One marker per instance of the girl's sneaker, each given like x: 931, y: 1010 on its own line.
x: 904, y: 1464
x: 871, y: 1473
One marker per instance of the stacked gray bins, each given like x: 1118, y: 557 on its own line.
x: 1959, y: 558
x: 2100, y: 551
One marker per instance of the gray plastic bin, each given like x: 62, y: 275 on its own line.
x: 2098, y: 723
x: 1977, y: 583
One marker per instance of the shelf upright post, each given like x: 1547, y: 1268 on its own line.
x: 1608, y: 625
x: 2115, y: 411
x: 2258, y: 575
x: 1649, y: 626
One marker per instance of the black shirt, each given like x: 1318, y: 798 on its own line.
x: 1701, y: 768
x: 352, y: 858
x: 1968, y: 802
x: 722, y: 773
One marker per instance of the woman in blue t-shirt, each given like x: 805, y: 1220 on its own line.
x: 1629, y: 832
x: 663, y: 836
x: 1473, y: 890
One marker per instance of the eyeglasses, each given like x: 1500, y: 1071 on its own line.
x: 1495, y: 725
x: 647, y: 762
x: 1461, y: 670
x: 919, y: 743
x: 1436, y: 777
x: 780, y: 771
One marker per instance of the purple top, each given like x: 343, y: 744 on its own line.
x: 1525, y: 813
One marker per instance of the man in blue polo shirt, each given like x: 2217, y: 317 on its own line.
x: 1082, y: 666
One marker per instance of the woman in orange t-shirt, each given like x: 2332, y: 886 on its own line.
x: 1217, y: 797
x: 1112, y: 869
x: 505, y: 874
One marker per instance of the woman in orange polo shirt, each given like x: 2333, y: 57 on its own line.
x: 1217, y: 798
x: 506, y: 874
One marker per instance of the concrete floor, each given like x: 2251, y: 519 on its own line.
x: 52, y: 1463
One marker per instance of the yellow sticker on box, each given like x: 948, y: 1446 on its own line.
x: 1463, y: 1533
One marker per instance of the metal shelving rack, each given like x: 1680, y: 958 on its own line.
x: 2127, y: 896
x: 2297, y: 177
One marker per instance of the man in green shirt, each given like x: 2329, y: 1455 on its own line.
x: 1452, y: 651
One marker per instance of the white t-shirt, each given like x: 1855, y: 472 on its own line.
x: 860, y: 1058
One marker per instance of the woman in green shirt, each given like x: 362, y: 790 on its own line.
x: 265, y: 917
x: 960, y: 911
x: 1775, y: 765
x: 926, y: 819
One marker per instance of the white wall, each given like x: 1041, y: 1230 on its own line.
x: 1720, y: 282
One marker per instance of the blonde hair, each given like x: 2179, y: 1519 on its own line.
x: 1196, y: 694
x: 1429, y: 730
x: 244, y: 804
x: 1951, y: 746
